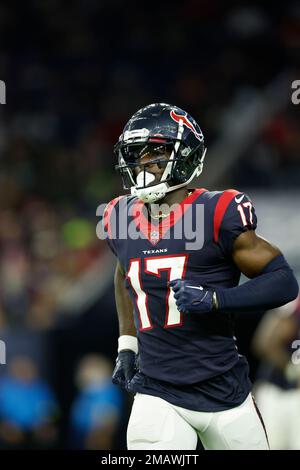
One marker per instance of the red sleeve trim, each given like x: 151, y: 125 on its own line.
x: 220, y: 209
x: 107, y: 214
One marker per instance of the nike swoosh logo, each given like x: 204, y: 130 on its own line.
x: 194, y: 287
x: 239, y: 199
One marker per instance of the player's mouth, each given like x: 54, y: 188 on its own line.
x: 147, y: 178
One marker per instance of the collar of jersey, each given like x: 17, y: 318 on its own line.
x: 161, y: 227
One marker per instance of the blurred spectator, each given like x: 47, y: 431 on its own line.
x: 28, y: 410
x: 96, y: 411
x: 277, y: 388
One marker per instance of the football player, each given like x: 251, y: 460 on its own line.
x: 176, y: 300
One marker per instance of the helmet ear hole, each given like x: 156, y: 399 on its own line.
x: 186, y: 165
x: 182, y: 172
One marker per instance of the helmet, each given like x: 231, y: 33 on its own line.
x: 171, y: 132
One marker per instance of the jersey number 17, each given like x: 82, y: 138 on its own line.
x: 175, y: 266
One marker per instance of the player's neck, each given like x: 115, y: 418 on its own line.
x: 174, y: 197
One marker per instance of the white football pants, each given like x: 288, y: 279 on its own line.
x: 157, y: 424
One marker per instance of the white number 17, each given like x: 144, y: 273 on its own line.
x: 175, y: 266
x: 242, y: 212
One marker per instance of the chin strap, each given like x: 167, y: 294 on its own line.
x: 151, y: 194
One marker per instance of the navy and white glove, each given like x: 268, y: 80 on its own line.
x: 190, y: 297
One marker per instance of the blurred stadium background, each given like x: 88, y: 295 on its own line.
x: 74, y: 74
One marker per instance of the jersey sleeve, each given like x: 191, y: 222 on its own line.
x: 109, y: 221
x: 112, y: 246
x: 234, y: 214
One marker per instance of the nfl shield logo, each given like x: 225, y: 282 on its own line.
x: 154, y: 235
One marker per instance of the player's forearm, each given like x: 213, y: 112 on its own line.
x: 275, y: 286
x: 125, y: 315
x: 124, y: 305
x: 126, y: 325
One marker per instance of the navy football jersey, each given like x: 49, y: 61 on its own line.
x: 182, y: 350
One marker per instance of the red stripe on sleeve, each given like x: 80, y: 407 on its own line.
x: 220, y: 209
x: 107, y: 214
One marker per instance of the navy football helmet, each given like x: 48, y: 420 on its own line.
x: 176, y: 141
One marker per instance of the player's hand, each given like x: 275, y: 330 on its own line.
x: 126, y: 367
x: 190, y: 297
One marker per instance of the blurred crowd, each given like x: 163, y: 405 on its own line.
x: 30, y: 413
x: 74, y: 74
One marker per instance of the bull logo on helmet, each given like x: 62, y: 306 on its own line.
x: 186, y: 122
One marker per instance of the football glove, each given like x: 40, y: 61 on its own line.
x: 190, y: 297
x: 126, y: 367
